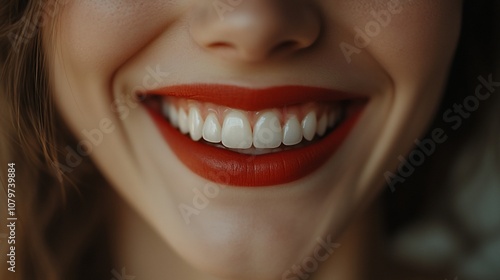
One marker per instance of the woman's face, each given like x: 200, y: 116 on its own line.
x: 258, y: 79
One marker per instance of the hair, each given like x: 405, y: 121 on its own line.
x: 432, y: 199
x: 61, y: 232
x: 59, y: 226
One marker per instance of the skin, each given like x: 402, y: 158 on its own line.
x: 100, y: 55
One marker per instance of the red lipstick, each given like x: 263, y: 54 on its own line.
x: 229, y: 167
x: 252, y: 99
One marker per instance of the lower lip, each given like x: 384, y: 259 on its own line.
x: 234, y: 169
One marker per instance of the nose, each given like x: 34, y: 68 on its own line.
x: 255, y: 30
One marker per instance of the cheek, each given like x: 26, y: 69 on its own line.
x: 419, y: 41
x: 99, y: 36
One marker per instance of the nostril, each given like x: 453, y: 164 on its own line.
x: 221, y: 45
x: 286, y: 46
x: 257, y: 30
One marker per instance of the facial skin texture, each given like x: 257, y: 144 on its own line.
x: 103, y: 52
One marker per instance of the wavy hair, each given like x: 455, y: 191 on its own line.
x: 59, y: 227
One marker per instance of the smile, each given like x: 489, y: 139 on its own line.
x: 253, y: 137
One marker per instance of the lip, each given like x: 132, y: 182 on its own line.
x: 231, y: 168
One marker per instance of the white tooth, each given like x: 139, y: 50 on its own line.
x: 267, y: 132
x: 195, y: 123
x: 183, y: 121
x: 165, y: 108
x: 236, y: 131
x: 332, y: 118
x: 322, y: 123
x: 168, y: 110
x: 309, y: 124
x: 173, y: 116
x: 212, y: 129
x: 292, y: 132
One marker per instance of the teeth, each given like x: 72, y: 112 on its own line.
x: 309, y: 124
x: 195, y: 123
x: 183, y: 121
x: 332, y: 119
x: 165, y: 108
x: 212, y: 129
x: 170, y: 111
x: 322, y: 125
x: 267, y: 131
x: 236, y: 131
x: 292, y: 132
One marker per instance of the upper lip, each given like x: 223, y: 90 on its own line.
x: 253, y: 99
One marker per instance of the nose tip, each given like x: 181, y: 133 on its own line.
x: 256, y: 30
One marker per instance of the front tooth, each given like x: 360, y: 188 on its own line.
x: 236, y: 131
x: 309, y: 124
x: 267, y: 132
x: 212, y: 129
x: 292, y: 132
x: 322, y: 124
x: 195, y: 123
x: 183, y: 121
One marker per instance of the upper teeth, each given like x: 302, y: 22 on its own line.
x: 242, y: 130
